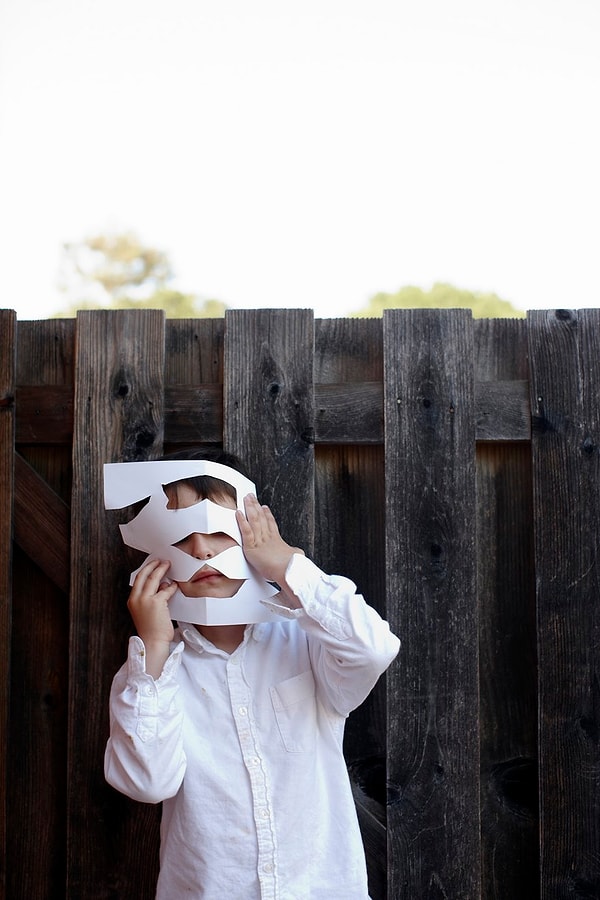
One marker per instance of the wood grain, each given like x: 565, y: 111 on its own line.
x: 40, y: 633
x: 268, y: 411
x: 564, y: 348
x: 507, y: 636
x: 112, y: 843
x: 433, y: 740
x: 349, y: 518
x: 8, y: 325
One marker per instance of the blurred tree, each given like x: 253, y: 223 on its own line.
x: 119, y: 271
x: 441, y: 296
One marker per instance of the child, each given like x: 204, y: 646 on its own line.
x: 238, y: 727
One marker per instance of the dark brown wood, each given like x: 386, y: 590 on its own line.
x: 112, y: 843
x: 268, y: 411
x: 349, y: 517
x: 433, y: 741
x: 44, y: 414
x: 8, y: 325
x: 194, y: 414
x: 42, y: 524
x: 194, y: 382
x: 280, y: 414
x: 40, y: 645
x: 344, y: 413
x: 507, y: 638
x: 564, y: 348
x: 194, y: 352
x: 502, y: 411
x: 507, y: 635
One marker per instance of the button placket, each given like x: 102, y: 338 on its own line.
x: 241, y: 710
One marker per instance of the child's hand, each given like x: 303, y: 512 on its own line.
x: 148, y: 606
x: 263, y: 546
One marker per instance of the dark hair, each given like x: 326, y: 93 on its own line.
x: 206, y: 485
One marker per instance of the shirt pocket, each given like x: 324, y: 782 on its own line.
x: 295, y: 708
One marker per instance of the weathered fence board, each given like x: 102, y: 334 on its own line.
x: 40, y: 641
x: 8, y: 328
x: 507, y: 641
x: 433, y: 746
x: 268, y: 411
x: 349, y: 504
x: 118, y: 416
x: 564, y: 349
x: 193, y: 401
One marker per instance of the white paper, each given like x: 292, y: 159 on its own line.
x: 226, y: 610
x: 156, y: 528
x: 126, y: 483
x: 157, y: 522
x: 231, y: 562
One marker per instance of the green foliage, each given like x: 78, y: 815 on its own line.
x: 175, y: 304
x: 441, y: 296
x: 118, y: 271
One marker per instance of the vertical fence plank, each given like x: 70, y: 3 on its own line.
x: 507, y: 636
x: 433, y: 741
x: 40, y: 644
x: 8, y: 343
x: 349, y: 518
x: 269, y: 411
x: 565, y: 383
x: 193, y: 358
x: 112, y: 842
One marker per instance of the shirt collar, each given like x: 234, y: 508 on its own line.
x: 200, y: 644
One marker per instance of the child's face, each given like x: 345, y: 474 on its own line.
x: 206, y: 582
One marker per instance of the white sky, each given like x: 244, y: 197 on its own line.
x: 306, y: 153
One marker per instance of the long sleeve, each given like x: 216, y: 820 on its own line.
x: 144, y: 756
x: 351, y: 645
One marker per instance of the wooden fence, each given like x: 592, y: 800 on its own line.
x: 451, y: 467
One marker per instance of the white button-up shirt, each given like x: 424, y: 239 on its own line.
x: 245, y: 749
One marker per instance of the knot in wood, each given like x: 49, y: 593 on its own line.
x: 565, y: 315
x: 588, y: 446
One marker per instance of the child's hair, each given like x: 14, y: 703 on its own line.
x: 207, y: 486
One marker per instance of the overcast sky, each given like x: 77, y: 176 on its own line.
x: 306, y: 154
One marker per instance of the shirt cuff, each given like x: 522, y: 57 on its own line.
x: 323, y: 597
x: 136, y: 660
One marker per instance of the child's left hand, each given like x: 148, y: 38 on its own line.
x: 263, y: 546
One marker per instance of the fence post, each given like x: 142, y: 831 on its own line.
x: 268, y: 411
x: 433, y: 740
x: 564, y: 348
x: 111, y: 843
x: 8, y: 341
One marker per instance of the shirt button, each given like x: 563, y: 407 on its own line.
x: 243, y: 711
x: 268, y: 868
x: 264, y: 813
x: 253, y: 761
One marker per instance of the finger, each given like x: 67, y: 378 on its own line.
x: 254, y: 518
x: 270, y: 520
x: 167, y: 589
x: 150, y: 575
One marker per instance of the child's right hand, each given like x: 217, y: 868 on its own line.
x: 148, y: 606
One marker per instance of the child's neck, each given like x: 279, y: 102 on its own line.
x: 225, y: 637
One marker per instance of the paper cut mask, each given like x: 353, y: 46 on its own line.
x: 156, y: 529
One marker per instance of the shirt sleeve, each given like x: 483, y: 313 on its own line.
x: 144, y: 756
x: 350, y: 644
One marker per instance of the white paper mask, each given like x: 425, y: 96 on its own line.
x: 155, y: 529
